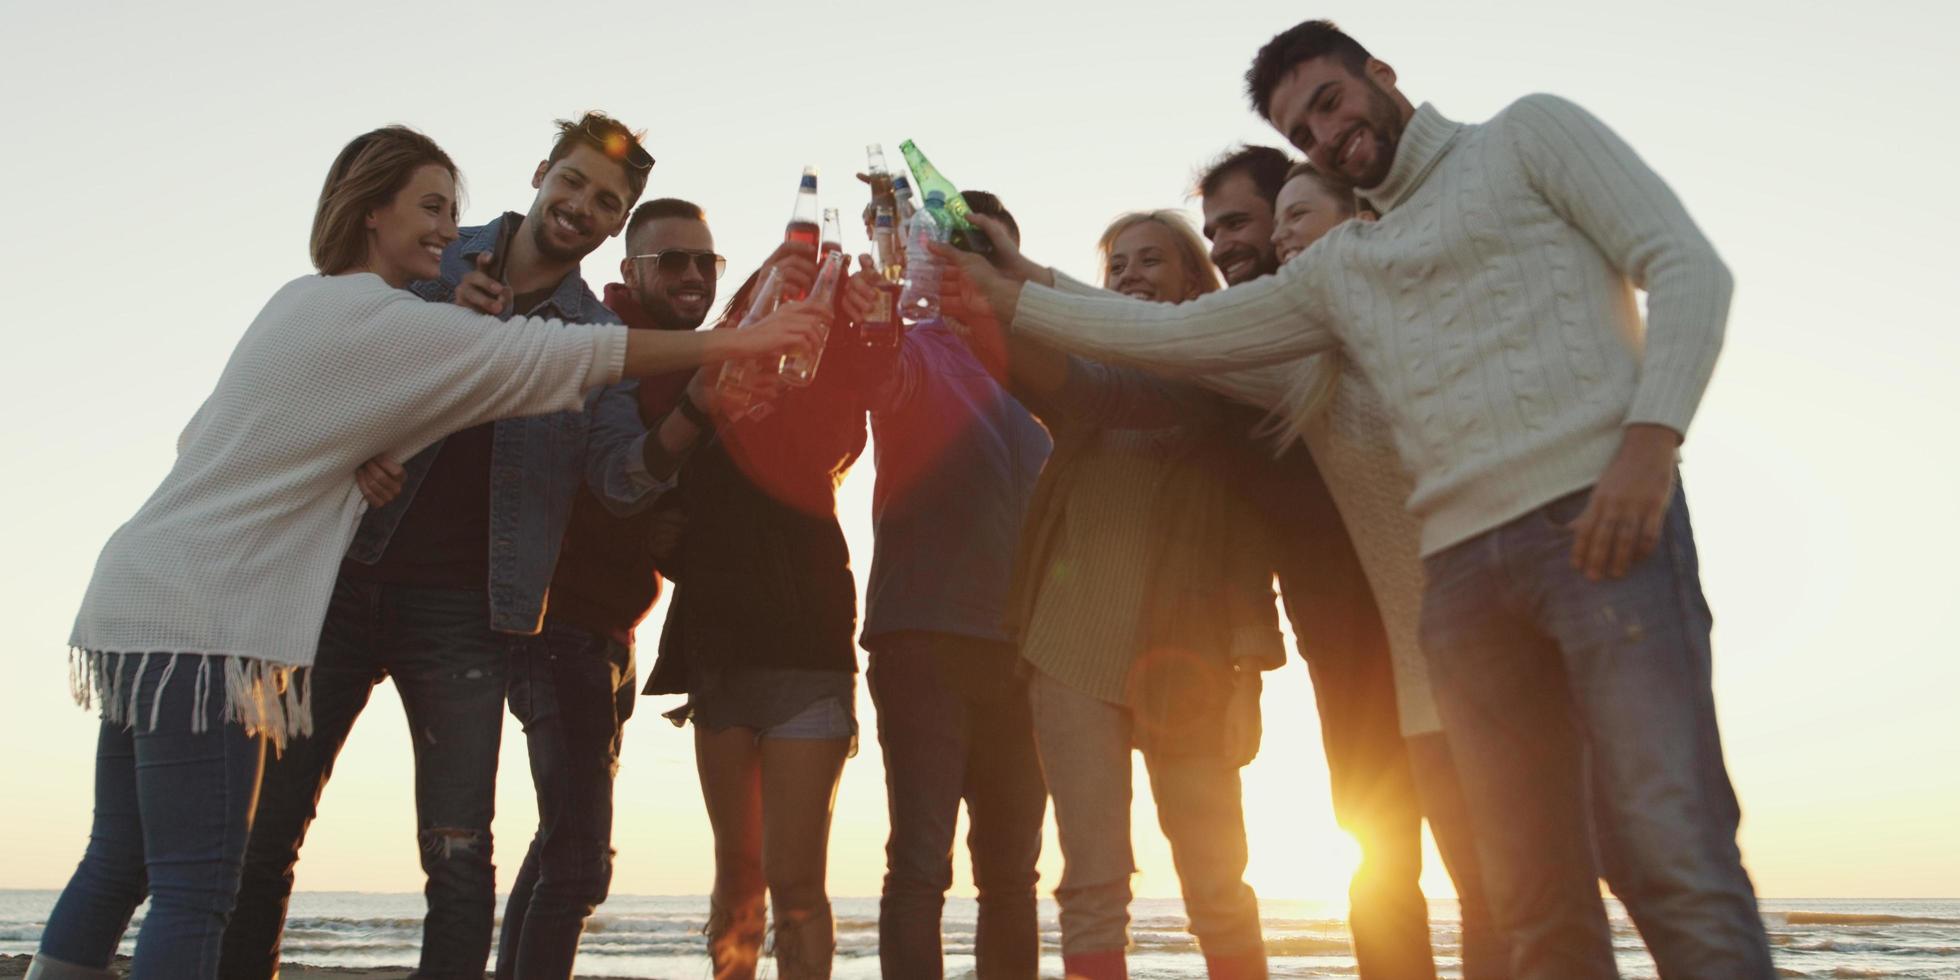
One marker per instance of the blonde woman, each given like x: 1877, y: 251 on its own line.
x: 1144, y: 606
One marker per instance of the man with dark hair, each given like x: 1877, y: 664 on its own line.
x: 1368, y: 701
x: 957, y: 461
x: 1540, y: 415
x: 575, y: 688
x: 449, y: 569
x: 1237, y: 192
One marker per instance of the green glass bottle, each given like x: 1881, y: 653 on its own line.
x: 930, y: 180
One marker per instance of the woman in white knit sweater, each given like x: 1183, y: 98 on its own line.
x: 205, y: 608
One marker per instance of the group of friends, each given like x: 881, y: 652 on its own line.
x: 1406, y: 377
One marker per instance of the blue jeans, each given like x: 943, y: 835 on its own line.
x: 450, y: 669
x: 172, y: 811
x: 954, y: 723
x: 573, y: 691
x: 1541, y: 674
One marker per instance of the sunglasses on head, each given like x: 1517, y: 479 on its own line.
x: 614, y: 141
x: 673, y: 261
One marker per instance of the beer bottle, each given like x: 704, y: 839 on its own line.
x: 803, y: 228
x: 880, y: 328
x: 733, y: 384
x: 879, y: 176
x: 902, y: 194
x: 963, y: 233
x: 799, y: 367
x: 833, y: 234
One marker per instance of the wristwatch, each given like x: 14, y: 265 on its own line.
x: 694, y: 412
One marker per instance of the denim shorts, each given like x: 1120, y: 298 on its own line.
x: 825, y: 718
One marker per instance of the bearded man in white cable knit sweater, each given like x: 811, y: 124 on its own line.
x: 1493, y: 309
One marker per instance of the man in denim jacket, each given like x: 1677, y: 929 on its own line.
x: 449, y: 577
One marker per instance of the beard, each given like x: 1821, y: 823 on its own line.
x: 1384, y: 125
x: 552, y: 250
x: 1265, y: 262
x: 659, y: 307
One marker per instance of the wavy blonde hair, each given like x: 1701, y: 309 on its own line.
x: 1199, y: 274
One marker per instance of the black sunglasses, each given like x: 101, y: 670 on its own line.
x: 673, y: 261
x: 614, y: 141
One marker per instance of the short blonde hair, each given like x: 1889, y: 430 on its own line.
x: 1197, y: 258
x: 367, y: 174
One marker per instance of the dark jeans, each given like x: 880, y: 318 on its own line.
x: 172, y: 811
x: 572, y: 690
x: 954, y: 723
x: 1537, y: 670
x: 1368, y: 766
x: 1486, y: 953
x: 450, y: 670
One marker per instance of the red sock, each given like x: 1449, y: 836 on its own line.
x: 1107, y: 964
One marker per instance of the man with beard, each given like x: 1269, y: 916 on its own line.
x: 444, y: 581
x: 1368, y: 700
x: 574, y: 688
x: 1492, y: 309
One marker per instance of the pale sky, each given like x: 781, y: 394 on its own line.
x: 163, y: 162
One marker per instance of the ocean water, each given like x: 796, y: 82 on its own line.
x: 649, y: 936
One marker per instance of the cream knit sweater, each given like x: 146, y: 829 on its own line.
x: 1352, y: 446
x: 235, y: 553
x: 1492, y: 308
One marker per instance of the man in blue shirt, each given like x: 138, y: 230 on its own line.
x: 957, y: 459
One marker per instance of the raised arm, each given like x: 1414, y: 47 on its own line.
x: 1262, y: 322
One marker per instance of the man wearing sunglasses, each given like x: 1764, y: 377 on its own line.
x: 447, y: 577
x: 575, y: 692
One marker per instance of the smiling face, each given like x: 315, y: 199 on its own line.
x: 1347, y: 123
x: 1307, y: 209
x: 1146, y: 263
x: 1239, y: 224
x: 674, y: 300
x: 407, y: 235
x: 583, y: 199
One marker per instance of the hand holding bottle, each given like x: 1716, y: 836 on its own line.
x: 795, y: 263
x: 798, y: 326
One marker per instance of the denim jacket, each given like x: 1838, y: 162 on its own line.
x: 536, y: 462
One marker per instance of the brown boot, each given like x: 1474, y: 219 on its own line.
x: 734, y: 939
x: 806, y: 942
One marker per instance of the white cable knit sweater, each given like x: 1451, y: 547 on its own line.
x: 235, y: 553
x: 1492, y: 307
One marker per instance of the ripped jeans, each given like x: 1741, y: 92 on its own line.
x: 450, y: 670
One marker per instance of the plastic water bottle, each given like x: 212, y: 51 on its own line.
x: 919, y: 303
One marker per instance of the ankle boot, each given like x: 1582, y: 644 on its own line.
x: 734, y: 939
x: 1105, y: 964
x: 44, y: 967
x: 1236, y: 966
x: 806, y: 942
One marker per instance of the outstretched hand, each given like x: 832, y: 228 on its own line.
x: 793, y: 326
x: 968, y: 311
x: 796, y: 264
